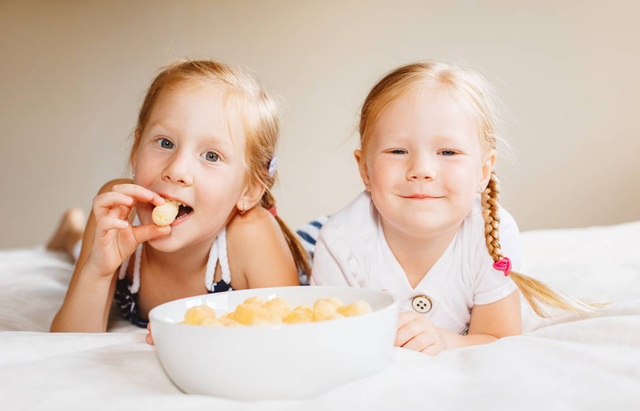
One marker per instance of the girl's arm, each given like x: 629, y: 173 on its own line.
x: 108, y: 240
x: 488, y: 323
x: 258, y: 252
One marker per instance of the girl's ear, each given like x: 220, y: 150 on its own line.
x: 250, y: 197
x: 364, y: 170
x: 487, y: 167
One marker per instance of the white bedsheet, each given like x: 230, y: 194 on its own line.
x: 564, y: 363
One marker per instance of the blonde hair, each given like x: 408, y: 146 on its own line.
x: 472, y: 90
x: 257, y: 112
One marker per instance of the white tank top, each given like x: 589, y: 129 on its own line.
x: 217, y: 253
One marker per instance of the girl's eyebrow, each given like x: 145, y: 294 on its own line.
x: 217, y: 140
x: 394, y: 137
x: 448, y: 138
x: 403, y: 138
x: 161, y: 124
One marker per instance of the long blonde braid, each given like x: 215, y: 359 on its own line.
x: 537, y: 294
x: 300, y: 255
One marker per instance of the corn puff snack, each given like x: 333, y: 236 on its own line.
x: 255, y: 311
x: 165, y: 214
x: 326, y: 308
x: 355, y: 308
x: 301, y: 314
x: 196, y: 315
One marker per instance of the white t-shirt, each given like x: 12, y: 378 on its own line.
x: 352, y: 251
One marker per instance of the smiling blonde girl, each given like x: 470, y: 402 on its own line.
x: 428, y: 227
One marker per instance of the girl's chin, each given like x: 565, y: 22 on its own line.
x: 419, y: 227
x: 165, y: 244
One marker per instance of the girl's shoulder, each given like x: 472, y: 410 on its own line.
x: 254, y: 232
x: 255, y: 222
x: 258, y: 250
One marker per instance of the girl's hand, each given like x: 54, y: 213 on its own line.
x: 417, y: 332
x: 115, y: 239
x: 149, y: 338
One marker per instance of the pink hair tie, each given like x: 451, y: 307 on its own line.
x: 503, y: 264
x: 273, y: 211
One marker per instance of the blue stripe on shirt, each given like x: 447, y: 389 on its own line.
x: 306, y: 237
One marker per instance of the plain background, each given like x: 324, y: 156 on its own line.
x: 73, y: 75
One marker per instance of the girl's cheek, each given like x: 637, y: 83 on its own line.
x: 463, y: 175
x: 382, y: 170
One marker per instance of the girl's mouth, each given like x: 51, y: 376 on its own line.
x: 183, y: 212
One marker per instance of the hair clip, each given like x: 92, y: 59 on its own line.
x: 503, y: 264
x: 273, y: 164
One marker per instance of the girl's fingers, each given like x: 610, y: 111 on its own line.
x: 104, y: 203
x: 105, y: 224
x: 406, y: 317
x: 121, y: 212
x: 418, y: 343
x: 405, y: 333
x: 150, y: 231
x: 139, y: 193
x: 432, y: 349
x: 410, y: 329
x: 149, y: 337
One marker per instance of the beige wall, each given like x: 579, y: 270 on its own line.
x: 73, y: 74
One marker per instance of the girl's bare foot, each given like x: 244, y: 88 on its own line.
x: 69, y: 231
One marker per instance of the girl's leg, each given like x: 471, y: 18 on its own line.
x: 69, y: 231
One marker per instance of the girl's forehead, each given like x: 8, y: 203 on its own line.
x: 432, y: 112
x: 198, y: 110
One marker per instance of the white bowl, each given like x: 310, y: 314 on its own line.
x: 288, y: 361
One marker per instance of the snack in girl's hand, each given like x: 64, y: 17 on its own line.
x: 254, y: 311
x: 165, y: 214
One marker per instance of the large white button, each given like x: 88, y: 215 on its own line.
x: 421, y: 303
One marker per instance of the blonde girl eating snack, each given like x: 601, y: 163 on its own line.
x: 428, y: 227
x: 205, y: 140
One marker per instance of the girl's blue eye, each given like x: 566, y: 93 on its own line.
x: 211, y: 156
x: 165, y: 143
x: 448, y: 153
x: 398, y: 151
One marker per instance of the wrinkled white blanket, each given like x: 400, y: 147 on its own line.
x: 559, y: 364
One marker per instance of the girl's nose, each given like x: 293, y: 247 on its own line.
x: 178, y: 171
x: 421, y: 168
